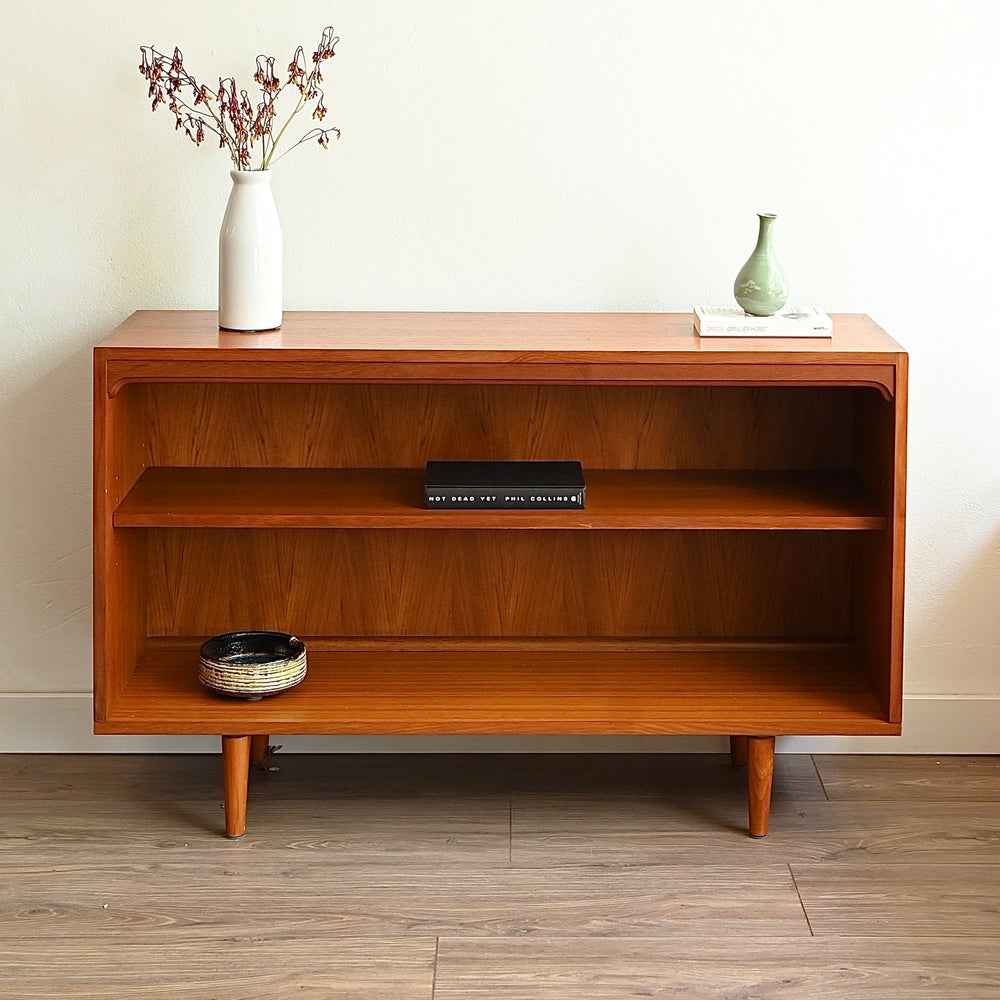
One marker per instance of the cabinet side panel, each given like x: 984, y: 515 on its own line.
x: 688, y: 584
x: 878, y: 591
x: 404, y: 425
x: 899, y: 538
x: 120, y: 455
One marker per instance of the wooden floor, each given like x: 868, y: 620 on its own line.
x: 517, y: 877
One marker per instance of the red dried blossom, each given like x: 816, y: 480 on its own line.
x: 242, y: 127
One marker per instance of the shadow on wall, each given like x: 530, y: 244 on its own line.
x: 45, y: 531
x: 955, y: 646
x: 133, y: 246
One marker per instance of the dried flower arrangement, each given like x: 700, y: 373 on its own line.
x: 228, y: 111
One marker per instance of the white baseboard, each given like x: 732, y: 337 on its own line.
x: 933, y: 724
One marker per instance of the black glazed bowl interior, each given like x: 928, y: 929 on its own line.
x: 252, y: 647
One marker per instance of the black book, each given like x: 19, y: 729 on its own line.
x: 504, y: 485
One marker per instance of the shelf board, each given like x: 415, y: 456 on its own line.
x: 194, y: 497
x: 491, y: 687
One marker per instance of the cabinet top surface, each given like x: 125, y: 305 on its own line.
x: 592, y: 337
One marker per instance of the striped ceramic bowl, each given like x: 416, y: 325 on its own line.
x: 252, y: 664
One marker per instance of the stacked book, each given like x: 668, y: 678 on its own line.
x: 790, y: 321
x: 504, y: 485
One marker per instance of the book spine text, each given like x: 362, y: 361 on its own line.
x: 510, y: 497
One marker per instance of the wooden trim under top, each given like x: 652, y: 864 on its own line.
x: 628, y: 348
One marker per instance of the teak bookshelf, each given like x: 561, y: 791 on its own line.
x: 738, y: 568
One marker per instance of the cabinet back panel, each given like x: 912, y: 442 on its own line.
x: 689, y: 584
x: 613, y: 427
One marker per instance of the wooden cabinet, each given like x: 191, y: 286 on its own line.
x: 738, y: 568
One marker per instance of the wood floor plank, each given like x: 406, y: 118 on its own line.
x: 543, y: 876
x: 108, y: 777
x: 901, y: 778
x: 267, y: 966
x: 443, y: 830
x: 717, y: 969
x: 151, y: 777
x: 583, y: 829
x: 238, y: 895
x: 901, y: 900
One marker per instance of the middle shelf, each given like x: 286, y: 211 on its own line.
x: 274, y: 497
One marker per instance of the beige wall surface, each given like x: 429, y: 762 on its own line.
x: 526, y: 155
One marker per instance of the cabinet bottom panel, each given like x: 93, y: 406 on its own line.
x: 518, y: 687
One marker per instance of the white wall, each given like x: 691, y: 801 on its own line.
x: 531, y: 154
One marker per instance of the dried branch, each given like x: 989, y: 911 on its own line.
x: 243, y: 128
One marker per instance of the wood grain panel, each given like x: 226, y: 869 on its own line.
x: 481, y: 583
x: 591, y: 336
x: 600, y: 809
x: 78, y: 783
x: 667, y: 901
x: 705, y: 816
x: 517, y: 688
x: 716, y: 969
x: 851, y: 777
x: 878, y: 606
x: 372, y: 831
x: 182, y: 901
x: 402, y: 426
x: 121, y: 453
x: 493, y: 367
x: 256, y: 960
x: 900, y: 900
x: 190, y: 497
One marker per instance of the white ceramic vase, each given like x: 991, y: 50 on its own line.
x: 250, y: 255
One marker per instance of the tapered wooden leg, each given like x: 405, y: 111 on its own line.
x: 738, y: 750
x: 235, y: 776
x: 259, y: 750
x: 760, y: 773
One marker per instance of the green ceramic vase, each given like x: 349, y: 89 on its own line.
x: 761, y: 288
